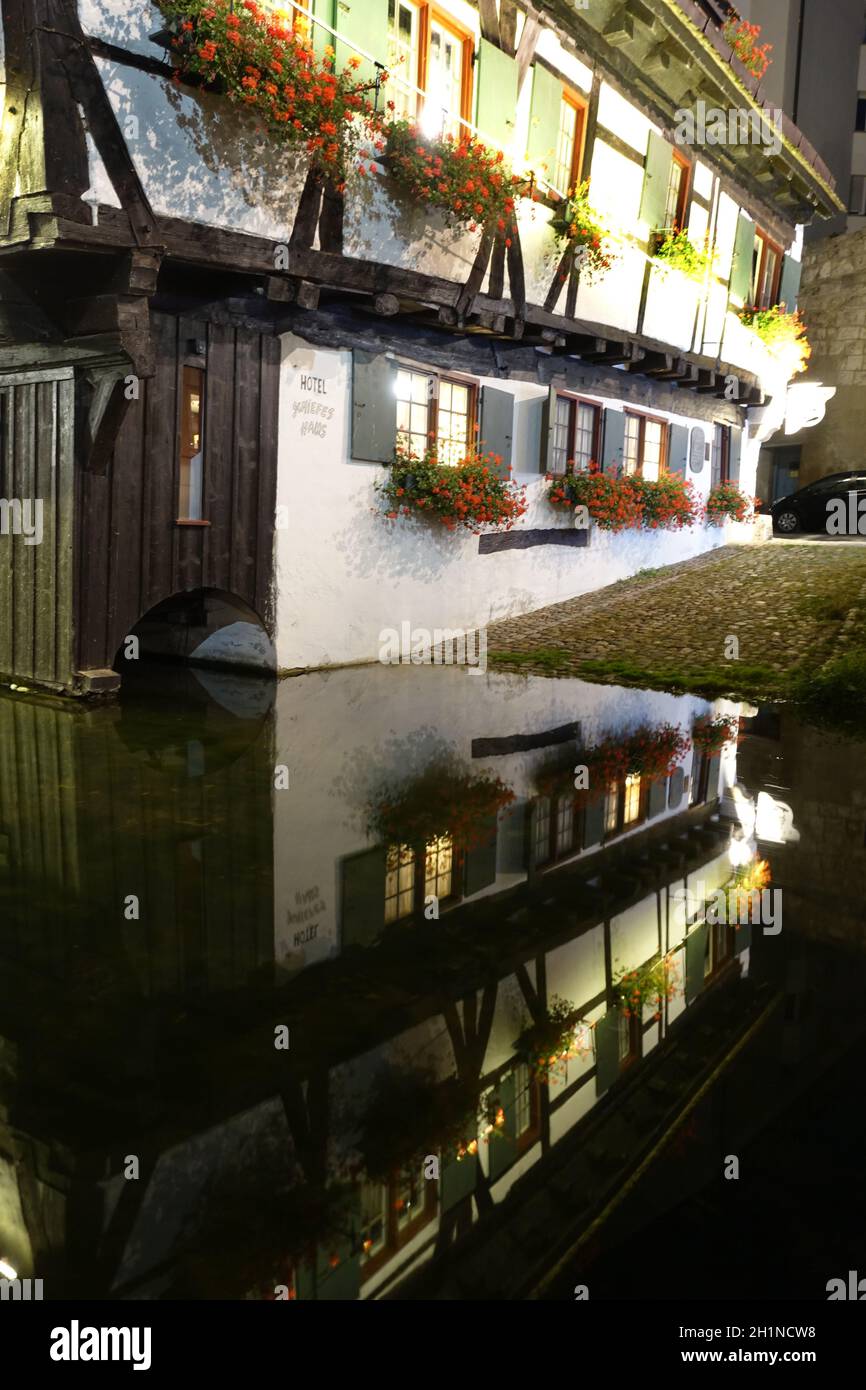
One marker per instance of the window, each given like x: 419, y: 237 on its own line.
x: 645, y: 446
x: 721, y: 466
x: 429, y: 53
x: 434, y: 409
x: 860, y: 119
x: 631, y: 799
x: 515, y: 1112
x: 575, y: 434
x: 392, y: 1213
x: 191, y: 445
x: 766, y: 271
x: 557, y: 829
x: 625, y: 804
x: 408, y: 870
x: 569, y: 148
x: 678, y: 192
x: 629, y: 1039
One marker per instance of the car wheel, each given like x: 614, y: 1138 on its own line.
x: 787, y: 524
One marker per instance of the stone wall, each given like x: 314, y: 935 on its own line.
x: 833, y: 303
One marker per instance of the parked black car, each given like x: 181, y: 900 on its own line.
x: 809, y: 508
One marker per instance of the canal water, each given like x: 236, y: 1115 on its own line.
x: 417, y: 982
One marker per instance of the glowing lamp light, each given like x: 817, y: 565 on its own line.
x: 7, y: 1271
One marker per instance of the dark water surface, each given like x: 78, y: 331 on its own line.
x: 278, y: 963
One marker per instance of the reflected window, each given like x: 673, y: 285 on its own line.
x: 374, y: 1222
x: 190, y: 492
x: 413, y: 874
x: 557, y: 825
x: 392, y: 1214
x: 407, y: 1197
x: 542, y: 830
x: 434, y: 410
x: 629, y: 1032
x: 611, y: 808
x: 631, y: 803
x: 399, y: 883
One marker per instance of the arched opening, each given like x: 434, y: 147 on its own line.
x: 202, y: 627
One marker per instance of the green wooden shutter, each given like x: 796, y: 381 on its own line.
x: 593, y: 822
x: 458, y: 1179
x: 544, y: 112
x: 614, y: 440
x: 512, y: 838
x: 374, y: 407
x: 496, y: 103
x: 696, y: 945
x: 548, y: 415
x: 497, y: 425
x: 365, y: 23
x: 656, y: 800
x: 789, y: 285
x: 675, y: 787
x: 480, y: 861
x: 606, y: 1051
x: 362, y: 900
x: 741, y: 268
x: 678, y: 451
x: 502, y: 1145
x: 713, y: 776
x: 657, y: 173
x: 324, y: 10
x: 735, y: 452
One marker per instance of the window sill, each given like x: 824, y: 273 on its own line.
x: 183, y: 522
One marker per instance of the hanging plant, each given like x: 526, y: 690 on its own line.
x: 647, y: 986
x: 727, y: 503
x: 412, y: 1114
x: 784, y: 334
x: 608, y: 498
x: 576, y: 225
x: 470, y: 494
x: 711, y: 735
x: 650, y: 752
x: 255, y: 57
x: 676, y: 250
x: 743, y: 38
x: 471, y: 183
x: 547, y: 1045
x: 442, y: 801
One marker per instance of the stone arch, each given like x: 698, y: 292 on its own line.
x: 208, y: 627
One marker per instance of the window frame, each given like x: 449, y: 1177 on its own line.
x: 553, y: 855
x: 395, y: 1239
x: 622, y: 825
x: 664, y: 451
x: 767, y: 245
x: 532, y: 1134
x: 580, y: 106
x: 428, y: 14
x: 454, y: 379
x: 419, y: 883
x: 575, y: 401
x: 678, y: 217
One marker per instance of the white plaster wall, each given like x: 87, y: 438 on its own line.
x: 344, y: 574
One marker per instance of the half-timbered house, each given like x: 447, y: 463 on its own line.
x: 206, y: 357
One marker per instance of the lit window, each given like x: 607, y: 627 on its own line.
x: 611, y: 806
x: 452, y: 421
x: 675, y: 203
x: 403, y: 57
x: 191, y: 452
x: 766, y: 264
x: 439, y: 857
x: 407, y: 1197
x: 434, y: 410
x: 522, y: 1099
x: 374, y: 1218
x: 631, y: 805
x: 399, y: 883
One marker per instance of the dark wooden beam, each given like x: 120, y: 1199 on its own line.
x: 489, y: 21
x: 526, y: 48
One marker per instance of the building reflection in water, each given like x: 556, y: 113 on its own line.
x: 393, y: 872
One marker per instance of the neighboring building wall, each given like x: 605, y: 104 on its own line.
x: 833, y: 302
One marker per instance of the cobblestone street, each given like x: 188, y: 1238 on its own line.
x: 788, y: 604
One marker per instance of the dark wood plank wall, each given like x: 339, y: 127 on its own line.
x: 132, y: 554
x: 36, y: 463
